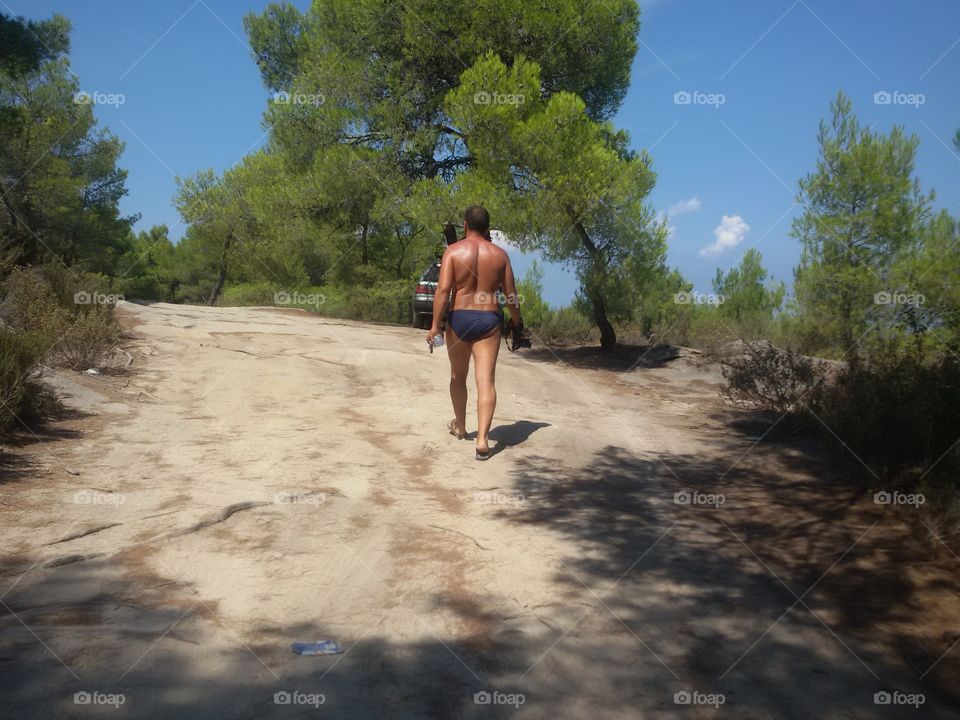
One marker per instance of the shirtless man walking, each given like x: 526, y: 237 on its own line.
x: 474, y: 270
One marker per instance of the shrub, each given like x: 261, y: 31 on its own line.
x: 261, y: 293
x: 767, y: 378
x: 89, y: 339
x: 387, y: 301
x: 902, y: 418
x: 31, y: 307
x: 41, y: 305
x: 561, y: 326
x: 19, y: 355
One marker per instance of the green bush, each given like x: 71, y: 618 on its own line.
x: 143, y: 287
x: 89, y: 340
x: 244, y: 294
x: 898, y: 416
x: 902, y: 418
x: 60, y: 314
x: 563, y: 326
x: 384, y: 301
x: 32, y: 307
x: 19, y: 355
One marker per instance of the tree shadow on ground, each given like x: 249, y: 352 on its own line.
x: 786, y: 594
x: 620, y: 359
x: 659, y: 590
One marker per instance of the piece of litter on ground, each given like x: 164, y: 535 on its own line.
x: 323, y: 647
x: 92, y: 371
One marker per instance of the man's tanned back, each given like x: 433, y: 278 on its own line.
x: 479, y: 271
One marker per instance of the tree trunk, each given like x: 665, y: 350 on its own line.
x: 222, y: 272
x: 608, y: 336
x: 403, y: 252
x: 363, y: 244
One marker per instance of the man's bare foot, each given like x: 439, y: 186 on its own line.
x: 452, y: 427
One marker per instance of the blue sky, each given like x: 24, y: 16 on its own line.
x: 759, y: 75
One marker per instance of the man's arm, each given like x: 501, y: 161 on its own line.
x: 441, y: 298
x: 510, y: 288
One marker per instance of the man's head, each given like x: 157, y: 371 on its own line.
x: 476, y: 219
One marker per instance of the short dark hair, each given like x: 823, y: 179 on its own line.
x: 477, y: 219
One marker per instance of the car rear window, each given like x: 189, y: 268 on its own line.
x: 432, y: 274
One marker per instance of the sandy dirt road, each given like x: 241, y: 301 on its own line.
x: 259, y: 476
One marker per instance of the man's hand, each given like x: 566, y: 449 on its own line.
x: 432, y: 333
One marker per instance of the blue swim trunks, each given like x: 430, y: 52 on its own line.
x: 470, y: 325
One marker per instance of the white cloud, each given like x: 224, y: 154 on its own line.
x: 684, y: 206
x: 729, y: 233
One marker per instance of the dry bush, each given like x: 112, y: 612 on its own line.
x: 39, y: 304
x: 768, y: 378
x: 89, y: 340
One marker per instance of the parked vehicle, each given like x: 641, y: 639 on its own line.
x: 423, y: 296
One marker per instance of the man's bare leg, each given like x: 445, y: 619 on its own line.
x: 484, y: 368
x: 459, y: 354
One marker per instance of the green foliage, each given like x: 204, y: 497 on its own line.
x: 24, y: 44
x: 60, y: 314
x: 878, y: 282
x: 533, y: 308
x: 562, y: 326
x: 930, y: 275
x: 89, y: 339
x: 397, y: 60
x: 560, y: 182
x: 901, y: 418
x: 748, y: 304
x: 386, y: 301
x: 19, y: 394
x: 392, y: 137
x: 862, y: 211
x: 58, y: 177
x: 151, y: 269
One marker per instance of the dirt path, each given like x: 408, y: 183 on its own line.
x: 260, y: 476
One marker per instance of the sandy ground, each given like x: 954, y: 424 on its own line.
x: 259, y: 476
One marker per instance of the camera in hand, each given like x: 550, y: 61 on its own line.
x: 518, y: 337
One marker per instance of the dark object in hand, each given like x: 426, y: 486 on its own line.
x: 518, y: 337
